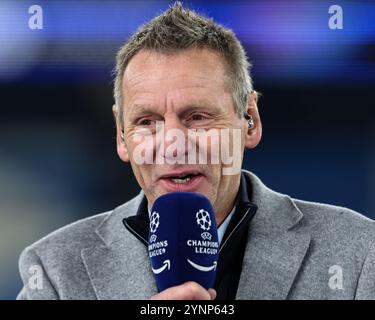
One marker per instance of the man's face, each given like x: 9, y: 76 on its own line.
x: 183, y: 91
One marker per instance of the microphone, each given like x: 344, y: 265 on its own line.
x: 183, y: 241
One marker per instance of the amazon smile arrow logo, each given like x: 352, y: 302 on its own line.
x: 166, y: 264
x: 202, y: 268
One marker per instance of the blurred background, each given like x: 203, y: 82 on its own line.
x: 58, y: 160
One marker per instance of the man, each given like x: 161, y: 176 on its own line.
x: 189, y: 73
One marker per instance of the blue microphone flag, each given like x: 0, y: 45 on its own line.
x: 183, y: 241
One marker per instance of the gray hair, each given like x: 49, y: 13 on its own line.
x: 178, y: 29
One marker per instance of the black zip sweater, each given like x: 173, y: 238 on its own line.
x: 232, y: 246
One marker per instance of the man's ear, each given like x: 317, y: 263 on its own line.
x: 254, y: 134
x: 122, y: 150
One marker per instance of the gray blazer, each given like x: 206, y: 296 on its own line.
x: 295, y: 250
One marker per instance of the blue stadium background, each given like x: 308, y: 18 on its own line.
x: 58, y: 160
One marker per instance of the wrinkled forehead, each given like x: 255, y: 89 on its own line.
x: 190, y: 64
x: 190, y: 75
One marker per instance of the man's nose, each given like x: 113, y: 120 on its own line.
x: 173, y: 122
x: 176, y: 134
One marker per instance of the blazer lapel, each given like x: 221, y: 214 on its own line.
x: 118, y: 267
x: 276, y: 246
x: 270, y: 266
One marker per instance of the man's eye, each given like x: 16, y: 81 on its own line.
x: 145, y: 122
x: 197, y: 117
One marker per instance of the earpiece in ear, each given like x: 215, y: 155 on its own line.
x: 250, y: 121
x: 122, y: 135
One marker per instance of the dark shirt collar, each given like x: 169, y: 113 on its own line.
x: 244, y: 211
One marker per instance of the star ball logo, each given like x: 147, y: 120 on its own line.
x: 203, y: 219
x: 154, y: 221
x: 204, y: 222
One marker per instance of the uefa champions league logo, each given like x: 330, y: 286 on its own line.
x: 154, y: 221
x: 203, y: 219
x: 204, y: 222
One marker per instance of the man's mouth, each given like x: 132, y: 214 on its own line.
x: 181, y: 180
